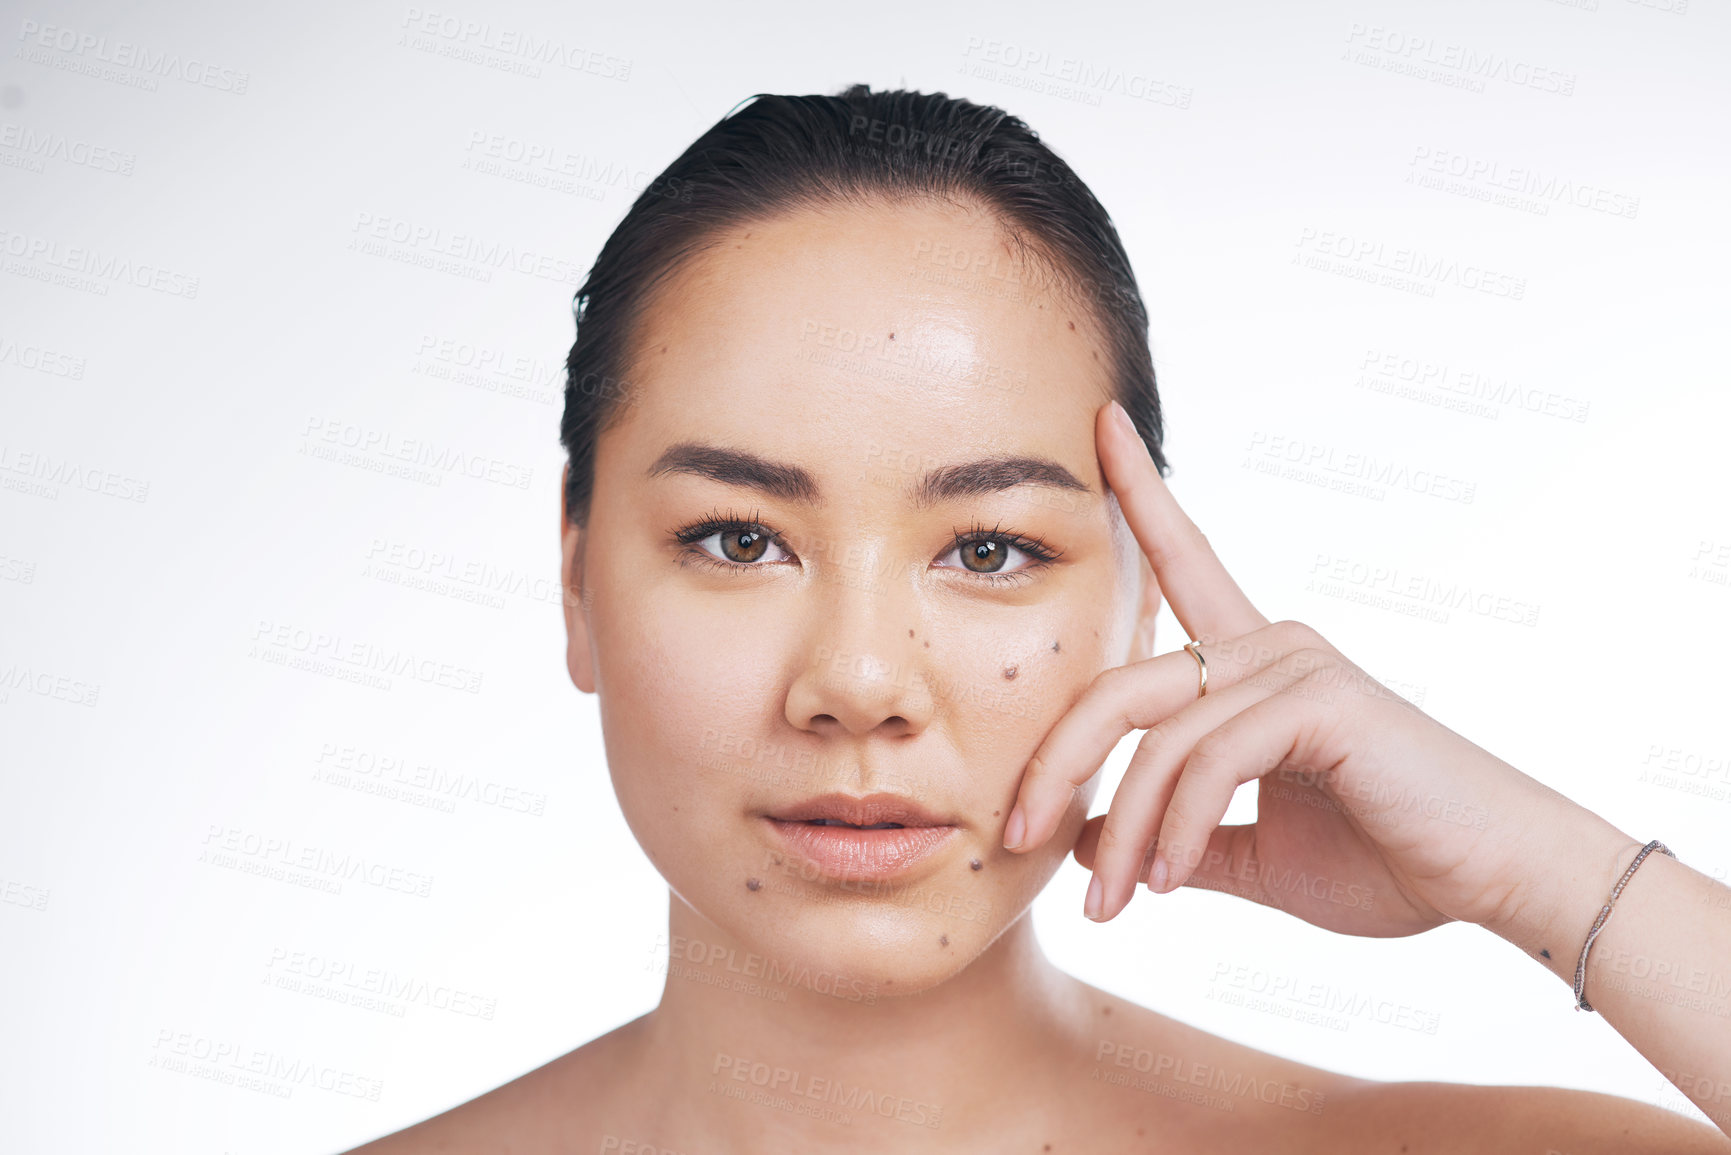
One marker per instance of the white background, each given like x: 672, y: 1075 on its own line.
x: 160, y: 523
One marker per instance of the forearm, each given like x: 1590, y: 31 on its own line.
x: 1660, y: 968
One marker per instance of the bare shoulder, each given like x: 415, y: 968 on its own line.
x: 539, y: 1110
x: 1204, y: 1092
x: 1433, y: 1118
x: 1240, y: 1098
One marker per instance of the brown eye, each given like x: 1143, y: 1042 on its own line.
x: 997, y: 556
x: 743, y: 545
x: 983, y: 556
x: 740, y: 544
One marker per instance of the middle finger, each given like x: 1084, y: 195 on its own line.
x: 1125, y: 698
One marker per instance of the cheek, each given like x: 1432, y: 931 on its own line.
x: 676, y: 675
x: 685, y: 705
x: 1004, y: 681
x: 1009, y: 682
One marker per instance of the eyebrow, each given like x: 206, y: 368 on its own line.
x: 791, y: 483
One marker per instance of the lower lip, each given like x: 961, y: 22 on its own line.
x: 847, y: 852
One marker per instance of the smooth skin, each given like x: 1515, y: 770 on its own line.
x: 859, y: 655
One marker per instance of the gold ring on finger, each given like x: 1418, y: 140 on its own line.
x: 1201, y: 667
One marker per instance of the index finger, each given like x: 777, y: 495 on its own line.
x: 1203, y: 596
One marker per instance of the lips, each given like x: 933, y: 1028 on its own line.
x: 871, y: 810
x: 875, y: 837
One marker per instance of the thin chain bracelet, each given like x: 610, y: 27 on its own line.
x: 1581, y: 1003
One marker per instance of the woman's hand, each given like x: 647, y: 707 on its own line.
x: 1372, y: 818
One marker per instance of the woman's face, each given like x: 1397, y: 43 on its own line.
x: 851, y: 541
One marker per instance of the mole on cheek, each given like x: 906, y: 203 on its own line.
x: 973, y: 864
x: 1054, y: 645
x: 943, y: 940
x: 752, y: 884
x: 1009, y: 673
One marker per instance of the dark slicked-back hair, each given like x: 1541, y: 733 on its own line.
x: 775, y: 154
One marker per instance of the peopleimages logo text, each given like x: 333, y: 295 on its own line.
x: 125, y: 54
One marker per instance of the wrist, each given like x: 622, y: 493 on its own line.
x: 1572, y: 867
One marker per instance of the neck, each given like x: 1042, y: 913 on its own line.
x: 742, y: 1050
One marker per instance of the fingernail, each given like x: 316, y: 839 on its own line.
x: 1015, y: 829
x: 1157, y: 877
x: 1095, y: 900
x: 1124, y: 422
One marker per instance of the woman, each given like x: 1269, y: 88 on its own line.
x: 864, y: 534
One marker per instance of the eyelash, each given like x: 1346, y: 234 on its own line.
x: 1039, y: 553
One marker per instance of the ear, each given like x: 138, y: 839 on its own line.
x: 578, y: 659
x: 1147, y: 608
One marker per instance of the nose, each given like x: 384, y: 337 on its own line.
x: 864, y: 667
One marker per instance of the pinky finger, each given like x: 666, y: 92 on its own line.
x: 1241, y: 749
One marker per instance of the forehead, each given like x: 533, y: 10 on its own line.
x: 902, y: 326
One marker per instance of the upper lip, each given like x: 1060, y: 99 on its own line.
x: 866, y: 810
